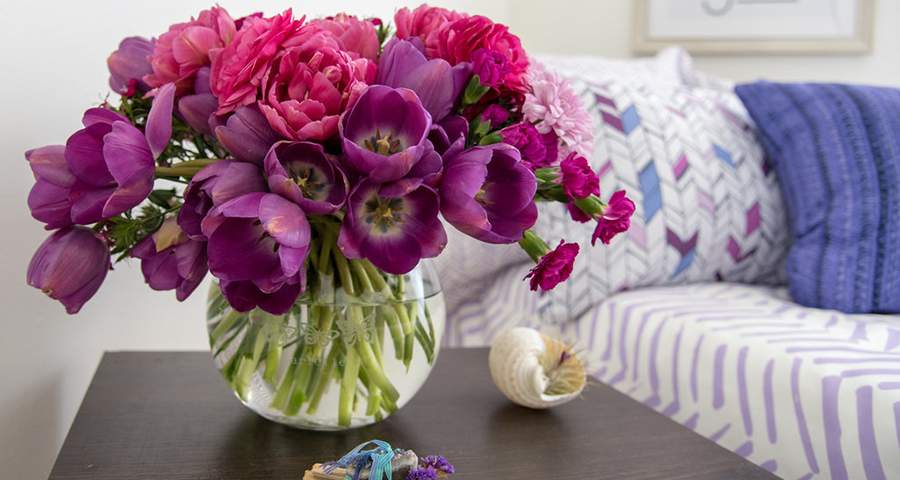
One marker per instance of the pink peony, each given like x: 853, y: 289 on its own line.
x: 615, y: 219
x: 355, y: 36
x: 554, y: 267
x: 425, y: 22
x: 238, y: 69
x: 310, y: 85
x: 458, y: 42
x: 180, y: 52
x: 577, y: 178
x: 553, y: 106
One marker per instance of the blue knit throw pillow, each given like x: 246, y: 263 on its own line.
x: 836, y: 151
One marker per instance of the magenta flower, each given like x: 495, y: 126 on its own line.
x: 577, y: 177
x: 238, y: 69
x: 490, y: 66
x: 615, y: 219
x: 458, y: 41
x: 554, y: 267
x: 384, y: 134
x: 425, y: 23
x: 436, y: 82
x: 170, y: 260
x: 538, y: 150
x: 310, y: 85
x: 213, y: 186
x: 392, y: 225
x: 488, y: 193
x: 496, y: 115
x: 104, y: 169
x: 303, y: 173
x: 577, y: 214
x: 258, y: 244
x: 128, y: 65
x: 180, y: 52
x: 70, y: 266
x: 355, y: 35
x: 247, y: 135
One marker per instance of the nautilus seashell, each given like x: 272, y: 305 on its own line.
x: 534, y: 370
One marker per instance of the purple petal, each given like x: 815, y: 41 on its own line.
x: 159, y: 120
x: 280, y: 302
x: 84, y: 155
x: 196, y: 110
x: 50, y: 204
x: 88, y: 202
x: 49, y: 163
x: 101, y: 115
x: 70, y: 266
x: 247, y: 134
x: 285, y: 221
x: 238, y: 251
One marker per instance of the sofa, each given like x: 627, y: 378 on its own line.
x: 688, y: 313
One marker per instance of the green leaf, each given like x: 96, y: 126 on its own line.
x: 474, y: 91
x: 162, y: 197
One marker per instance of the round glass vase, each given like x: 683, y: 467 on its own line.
x: 338, y: 359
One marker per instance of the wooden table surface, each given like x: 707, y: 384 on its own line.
x: 170, y: 416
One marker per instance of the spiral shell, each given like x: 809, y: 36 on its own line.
x: 534, y: 370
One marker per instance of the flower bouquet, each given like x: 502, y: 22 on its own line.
x: 306, y: 164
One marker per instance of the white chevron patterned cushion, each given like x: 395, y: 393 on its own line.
x: 684, y: 148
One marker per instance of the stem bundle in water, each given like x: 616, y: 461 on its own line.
x: 332, y: 338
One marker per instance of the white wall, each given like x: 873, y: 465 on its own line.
x: 604, y: 27
x: 53, y: 56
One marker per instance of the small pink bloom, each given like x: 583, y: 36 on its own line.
x: 495, y: 114
x: 491, y: 67
x: 424, y: 22
x: 553, y: 106
x: 355, y: 36
x: 615, y: 220
x: 538, y: 150
x: 577, y: 178
x: 310, y: 85
x: 554, y: 267
x: 459, y: 41
x: 180, y: 52
x: 238, y: 69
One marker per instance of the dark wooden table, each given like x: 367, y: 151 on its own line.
x: 170, y: 416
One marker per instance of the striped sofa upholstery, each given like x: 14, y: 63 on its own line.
x: 805, y: 393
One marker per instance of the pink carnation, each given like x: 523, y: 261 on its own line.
x: 310, y: 85
x: 180, y: 52
x: 355, y: 36
x: 425, y: 22
x: 458, y: 42
x: 615, y: 219
x: 577, y: 177
x: 554, y: 267
x: 238, y: 69
x: 553, y: 106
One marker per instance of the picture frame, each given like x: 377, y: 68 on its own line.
x: 801, y: 27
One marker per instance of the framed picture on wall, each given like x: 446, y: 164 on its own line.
x: 755, y: 26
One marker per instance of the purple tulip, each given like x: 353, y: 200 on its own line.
x: 49, y: 200
x: 450, y: 132
x: 170, y: 260
x: 384, y: 134
x: 258, y: 244
x: 213, y: 186
x: 105, y: 169
x: 70, y: 266
x: 488, y: 193
x: 197, y: 108
x: 392, y: 225
x: 438, y: 85
x: 128, y: 65
x: 303, y: 173
x: 247, y: 135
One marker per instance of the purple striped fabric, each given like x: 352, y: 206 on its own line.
x: 805, y: 393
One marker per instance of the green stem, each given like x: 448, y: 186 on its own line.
x: 324, y: 378
x: 348, y: 388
